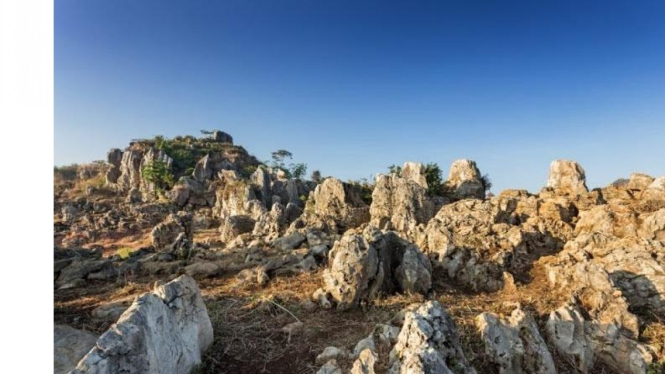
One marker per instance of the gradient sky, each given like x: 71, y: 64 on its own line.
x: 351, y: 87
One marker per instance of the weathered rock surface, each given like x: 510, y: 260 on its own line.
x: 465, y: 181
x: 164, y: 331
x: 174, y: 232
x: 400, y: 204
x: 428, y: 343
x: 335, y: 206
x: 567, y: 177
x: 69, y: 347
x: 514, y: 344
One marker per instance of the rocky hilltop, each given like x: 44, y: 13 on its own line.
x: 190, y: 255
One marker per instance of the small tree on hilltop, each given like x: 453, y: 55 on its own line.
x: 157, y: 172
x: 433, y: 176
x: 298, y: 170
x: 395, y: 169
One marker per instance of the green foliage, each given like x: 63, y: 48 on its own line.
x: 433, y: 176
x: 395, y: 169
x: 247, y: 171
x: 487, y: 183
x: 298, y: 170
x: 158, y: 173
x: 365, y: 189
x: 124, y: 252
x: 656, y: 368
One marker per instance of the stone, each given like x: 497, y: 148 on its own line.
x: 428, y: 343
x: 69, y: 347
x: 110, y: 311
x: 567, y: 177
x: 365, y: 344
x: 336, y: 206
x: 165, y: 235
x: 236, y: 225
x: 465, y: 180
x: 514, y: 344
x: 353, y: 275
x: 414, y: 171
x: 172, y: 318
x: 414, y: 274
x: 81, y: 269
x: 589, y: 340
x: 365, y: 362
x: 330, y: 353
x: 639, y: 181
x: 203, y: 269
x: 400, y: 204
x: 289, y: 242
x: 331, y: 367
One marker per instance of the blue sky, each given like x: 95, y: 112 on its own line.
x: 350, y: 87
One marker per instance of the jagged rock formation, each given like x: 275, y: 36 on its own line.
x: 362, y: 265
x: 428, y: 343
x: 69, y: 347
x: 464, y: 180
x: 401, y: 203
x: 567, y: 177
x: 514, y: 344
x: 164, y: 331
x: 335, y: 206
x: 174, y: 233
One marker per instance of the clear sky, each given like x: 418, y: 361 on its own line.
x: 350, y: 87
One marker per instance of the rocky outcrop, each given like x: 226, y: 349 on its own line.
x: 173, y: 233
x: 164, y: 331
x: 464, y: 180
x: 428, y: 343
x: 588, y: 340
x: 335, y: 206
x: 514, y: 344
x: 222, y: 137
x: 354, y: 274
x: 362, y: 265
x: 414, y: 171
x: 400, y: 204
x: 69, y: 347
x: 567, y: 177
x: 236, y: 225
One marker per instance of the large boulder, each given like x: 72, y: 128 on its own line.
x: 236, y: 225
x: 336, y: 206
x: 428, y: 343
x: 400, y: 204
x: 414, y: 171
x: 174, y: 232
x: 514, y: 343
x: 354, y: 274
x: 567, y: 177
x: 69, y: 347
x: 587, y: 340
x: 164, y: 331
x: 465, y: 181
x: 222, y: 137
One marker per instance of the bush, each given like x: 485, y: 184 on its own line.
x: 316, y: 176
x: 395, y: 169
x: 487, y: 183
x: 433, y: 176
x: 159, y: 174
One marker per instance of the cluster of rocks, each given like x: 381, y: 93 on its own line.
x: 163, y: 331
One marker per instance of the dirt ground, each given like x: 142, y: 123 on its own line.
x: 248, y: 321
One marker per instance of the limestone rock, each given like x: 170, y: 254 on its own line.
x: 289, y: 242
x: 222, y: 137
x: 365, y: 362
x: 236, y: 225
x: 353, y: 275
x: 69, y: 347
x: 331, y: 367
x: 414, y: 171
x: 164, y: 331
x: 465, y: 180
x: 428, y: 343
x: 400, y: 204
x: 514, y: 344
x: 567, y: 176
x: 203, y: 269
x: 165, y: 235
x: 336, y: 206
x: 330, y: 353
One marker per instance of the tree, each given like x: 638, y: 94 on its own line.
x: 298, y: 170
x: 395, y: 169
x: 158, y: 173
x: 433, y: 176
x: 487, y: 183
x: 316, y: 176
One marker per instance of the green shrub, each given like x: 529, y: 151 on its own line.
x: 159, y: 174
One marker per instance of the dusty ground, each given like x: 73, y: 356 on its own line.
x: 248, y: 320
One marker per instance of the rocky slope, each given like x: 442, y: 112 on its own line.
x: 303, y: 276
